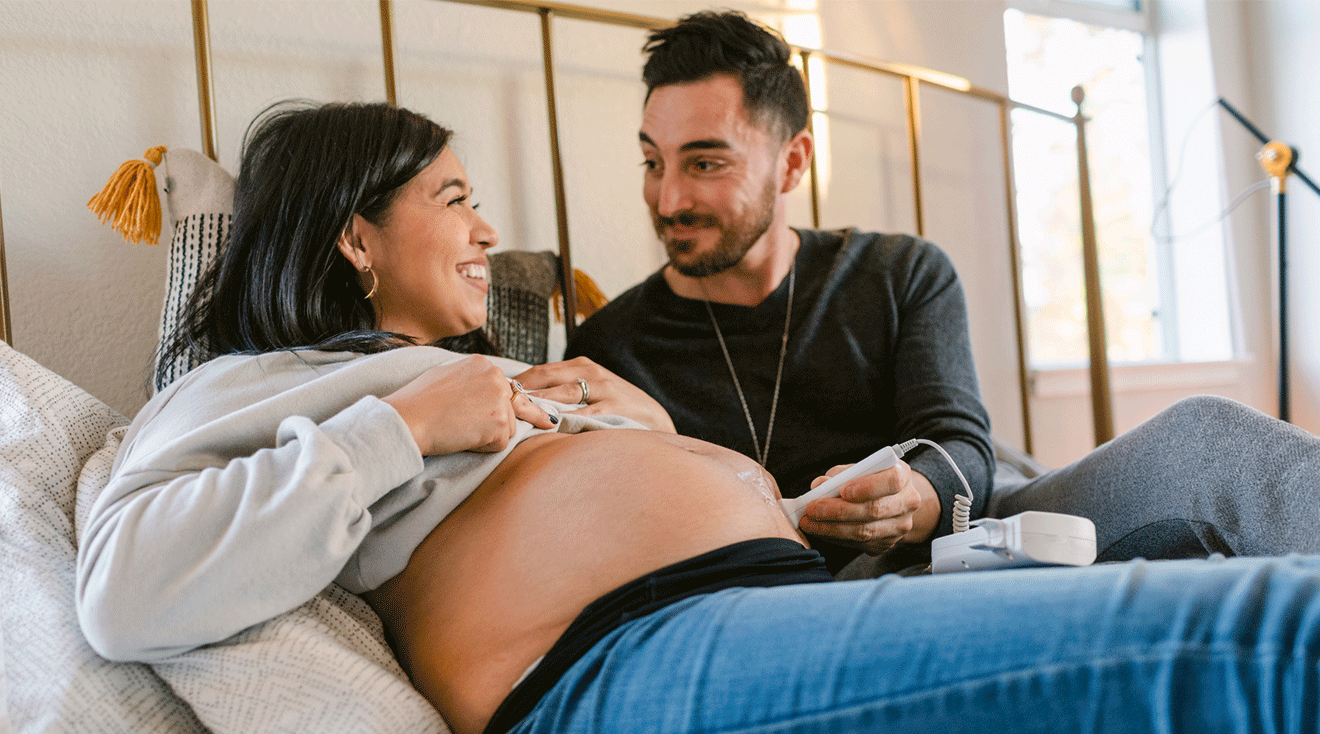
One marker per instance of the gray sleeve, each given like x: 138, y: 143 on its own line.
x: 940, y: 399
x: 186, y: 547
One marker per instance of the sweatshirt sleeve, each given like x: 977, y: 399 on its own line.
x: 188, y: 544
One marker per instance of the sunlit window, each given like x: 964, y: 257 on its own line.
x: 1047, y: 57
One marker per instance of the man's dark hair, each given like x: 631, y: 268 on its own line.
x: 728, y: 42
x: 280, y: 281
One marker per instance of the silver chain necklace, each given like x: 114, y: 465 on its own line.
x: 761, y: 456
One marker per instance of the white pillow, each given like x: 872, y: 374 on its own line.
x: 54, y: 680
x: 324, y: 667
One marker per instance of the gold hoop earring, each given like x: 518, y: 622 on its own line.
x: 375, y: 283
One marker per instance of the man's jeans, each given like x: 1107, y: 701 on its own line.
x: 1172, y: 646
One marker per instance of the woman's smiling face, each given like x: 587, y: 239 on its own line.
x: 428, y: 255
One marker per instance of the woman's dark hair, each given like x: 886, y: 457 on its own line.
x: 709, y: 42
x: 280, y: 282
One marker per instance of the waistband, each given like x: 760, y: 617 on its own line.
x: 750, y: 563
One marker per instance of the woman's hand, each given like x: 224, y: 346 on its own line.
x: 605, y: 393
x: 467, y: 405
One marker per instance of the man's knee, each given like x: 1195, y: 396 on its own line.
x: 1199, y: 411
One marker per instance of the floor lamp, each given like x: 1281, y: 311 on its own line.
x: 1278, y: 159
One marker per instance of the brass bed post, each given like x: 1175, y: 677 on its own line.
x: 561, y: 202
x: 805, y: 55
x: 387, y: 48
x: 913, y: 105
x: 6, y: 328
x: 202, y: 49
x: 1015, y: 260
x: 1102, y: 409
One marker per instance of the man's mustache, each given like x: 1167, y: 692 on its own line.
x: 688, y: 219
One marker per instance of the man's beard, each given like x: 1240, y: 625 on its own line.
x: 734, y: 241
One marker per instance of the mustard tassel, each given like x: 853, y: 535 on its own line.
x: 130, y: 202
x: 589, y: 296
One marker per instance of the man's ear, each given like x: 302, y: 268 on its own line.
x: 350, y: 245
x: 797, y: 159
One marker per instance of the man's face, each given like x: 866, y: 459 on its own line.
x: 711, y: 174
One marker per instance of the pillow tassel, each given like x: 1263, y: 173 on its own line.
x: 589, y: 296
x: 130, y: 202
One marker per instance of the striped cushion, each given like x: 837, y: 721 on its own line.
x: 196, y: 240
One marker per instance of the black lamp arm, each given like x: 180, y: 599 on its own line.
x: 1265, y: 140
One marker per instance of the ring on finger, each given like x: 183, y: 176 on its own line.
x: 586, y: 391
x: 518, y: 389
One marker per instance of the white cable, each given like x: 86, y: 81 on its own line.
x: 1163, y: 203
x: 962, y: 504
x: 1177, y: 174
x: 1222, y: 216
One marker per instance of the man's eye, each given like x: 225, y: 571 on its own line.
x: 459, y: 200
x: 706, y: 166
x: 650, y: 165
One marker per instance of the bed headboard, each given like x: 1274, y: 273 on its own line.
x: 914, y: 82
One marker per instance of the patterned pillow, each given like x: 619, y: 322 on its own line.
x: 518, y: 302
x: 54, y: 681
x: 201, y: 202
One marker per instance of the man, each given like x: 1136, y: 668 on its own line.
x: 808, y: 349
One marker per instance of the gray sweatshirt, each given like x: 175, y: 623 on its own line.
x: 246, y: 487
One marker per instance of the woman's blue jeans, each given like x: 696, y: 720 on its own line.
x: 1172, y: 646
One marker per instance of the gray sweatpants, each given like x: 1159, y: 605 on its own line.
x: 1206, y: 475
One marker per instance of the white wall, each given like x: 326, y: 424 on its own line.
x: 1271, y: 80
x: 87, y: 85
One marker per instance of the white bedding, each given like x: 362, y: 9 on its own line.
x: 323, y: 667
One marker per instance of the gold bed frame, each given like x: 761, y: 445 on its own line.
x: 913, y: 78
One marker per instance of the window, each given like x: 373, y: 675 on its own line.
x: 1106, y: 47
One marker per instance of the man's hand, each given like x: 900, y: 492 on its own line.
x: 877, y: 511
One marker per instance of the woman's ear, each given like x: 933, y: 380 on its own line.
x: 350, y: 245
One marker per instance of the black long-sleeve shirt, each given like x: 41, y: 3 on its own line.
x: 878, y: 353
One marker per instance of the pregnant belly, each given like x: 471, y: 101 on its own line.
x: 562, y: 521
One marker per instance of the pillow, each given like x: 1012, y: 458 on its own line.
x: 49, y: 429
x: 201, y: 198
x: 522, y: 285
x: 323, y: 667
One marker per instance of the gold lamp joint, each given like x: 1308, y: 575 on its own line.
x: 1276, y: 158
